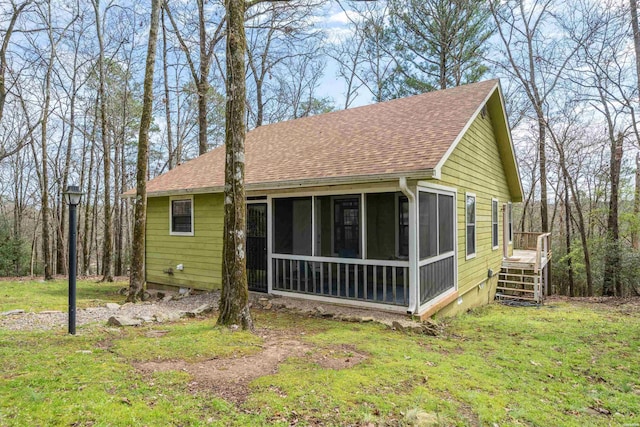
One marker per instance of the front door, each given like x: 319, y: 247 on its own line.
x: 257, y: 246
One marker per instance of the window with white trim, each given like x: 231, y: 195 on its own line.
x: 494, y: 224
x: 471, y: 224
x: 181, y: 215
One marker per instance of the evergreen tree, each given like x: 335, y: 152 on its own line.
x: 438, y: 44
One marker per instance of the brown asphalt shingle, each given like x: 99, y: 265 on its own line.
x: 398, y: 136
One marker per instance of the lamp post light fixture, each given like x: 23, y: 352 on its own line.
x: 72, y: 196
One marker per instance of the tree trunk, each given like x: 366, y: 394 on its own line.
x: 635, y: 239
x: 61, y: 266
x: 567, y: 220
x: 87, y: 234
x: 167, y: 103
x: 234, y: 298
x: 611, y: 285
x: 203, y: 83
x: 635, y: 233
x: 46, y: 248
x: 203, y: 87
x: 137, y: 279
x: 578, y: 208
x: 107, y: 247
x: 117, y: 237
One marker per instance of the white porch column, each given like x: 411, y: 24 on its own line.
x: 269, y: 244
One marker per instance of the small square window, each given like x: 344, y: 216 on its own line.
x: 182, y: 216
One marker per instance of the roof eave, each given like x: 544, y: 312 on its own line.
x: 429, y: 173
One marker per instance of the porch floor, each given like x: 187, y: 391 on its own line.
x: 522, y: 258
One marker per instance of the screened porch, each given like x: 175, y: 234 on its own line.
x: 357, y: 246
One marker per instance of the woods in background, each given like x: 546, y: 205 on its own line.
x: 71, y: 103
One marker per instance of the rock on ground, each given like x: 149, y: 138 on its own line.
x: 123, y: 321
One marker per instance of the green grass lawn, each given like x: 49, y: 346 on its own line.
x: 38, y: 295
x: 559, y: 365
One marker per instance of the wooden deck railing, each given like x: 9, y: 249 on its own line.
x: 534, y: 241
x: 525, y: 240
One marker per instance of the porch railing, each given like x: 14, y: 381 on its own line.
x: 543, y: 250
x: 378, y: 281
x: 526, y: 240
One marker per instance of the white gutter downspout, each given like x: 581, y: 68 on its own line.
x: 413, y: 247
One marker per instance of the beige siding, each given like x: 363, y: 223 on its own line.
x: 200, y: 254
x: 475, y: 167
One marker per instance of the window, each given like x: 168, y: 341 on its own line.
x: 510, y: 216
x: 494, y: 224
x: 403, y: 226
x: 471, y: 225
x: 181, y: 216
x: 346, y: 227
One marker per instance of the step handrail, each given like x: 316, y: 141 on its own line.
x: 542, y: 247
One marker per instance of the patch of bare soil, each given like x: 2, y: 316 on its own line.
x: 625, y: 305
x: 341, y: 357
x: 229, y: 378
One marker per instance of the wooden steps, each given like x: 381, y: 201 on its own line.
x: 520, y: 283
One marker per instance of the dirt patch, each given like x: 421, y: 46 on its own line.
x: 340, y: 357
x: 229, y: 378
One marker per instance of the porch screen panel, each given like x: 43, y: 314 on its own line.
x: 436, y: 278
x: 381, y: 225
x: 437, y: 222
x: 428, y: 224
x: 446, y: 220
x: 292, y: 226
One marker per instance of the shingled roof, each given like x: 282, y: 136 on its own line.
x: 403, y: 137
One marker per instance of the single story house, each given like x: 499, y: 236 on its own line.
x: 402, y: 205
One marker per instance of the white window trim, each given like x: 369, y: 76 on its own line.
x: 510, y: 224
x: 497, y: 213
x: 475, y: 226
x: 193, y: 225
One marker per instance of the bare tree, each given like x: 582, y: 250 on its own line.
x: 277, y: 35
x: 17, y: 9
x: 107, y: 244
x: 206, y: 44
x: 137, y: 280
x: 635, y: 236
x: 538, y: 66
